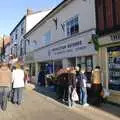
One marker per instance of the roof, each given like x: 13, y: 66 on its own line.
x: 54, y: 11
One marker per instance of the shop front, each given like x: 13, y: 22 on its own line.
x: 109, y: 56
x: 69, y: 52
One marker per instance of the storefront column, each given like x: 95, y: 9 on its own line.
x: 65, y: 63
x: 53, y: 67
x: 36, y: 72
x: 104, y: 66
x: 95, y: 61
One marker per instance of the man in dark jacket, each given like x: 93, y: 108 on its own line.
x: 82, y: 82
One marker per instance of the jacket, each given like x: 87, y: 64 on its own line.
x: 18, y: 78
x: 96, y: 76
x: 5, y: 76
x: 81, y: 80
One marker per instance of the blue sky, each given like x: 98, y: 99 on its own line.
x: 11, y: 11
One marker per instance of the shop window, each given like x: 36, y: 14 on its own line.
x: 114, y: 67
x: 72, y: 26
x: 33, y: 69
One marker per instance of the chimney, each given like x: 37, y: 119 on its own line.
x: 29, y: 11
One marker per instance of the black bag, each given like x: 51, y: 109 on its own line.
x: 10, y: 95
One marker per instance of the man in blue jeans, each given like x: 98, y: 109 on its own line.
x: 82, y: 81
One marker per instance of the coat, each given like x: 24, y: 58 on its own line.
x: 96, y: 76
x: 18, y: 78
x: 5, y: 76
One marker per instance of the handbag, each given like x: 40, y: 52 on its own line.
x: 75, y: 95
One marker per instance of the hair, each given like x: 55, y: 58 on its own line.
x: 97, y: 67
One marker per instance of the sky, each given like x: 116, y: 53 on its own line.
x: 11, y: 11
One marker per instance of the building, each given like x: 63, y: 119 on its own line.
x: 108, y: 29
x: 61, y: 38
x: 17, y: 46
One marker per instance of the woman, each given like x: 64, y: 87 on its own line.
x: 18, y: 84
x: 96, y: 85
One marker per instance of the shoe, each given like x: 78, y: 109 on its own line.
x: 85, y: 105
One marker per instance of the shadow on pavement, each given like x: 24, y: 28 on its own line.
x: 50, y: 92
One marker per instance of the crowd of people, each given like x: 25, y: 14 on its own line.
x: 77, y: 80
x: 12, y: 82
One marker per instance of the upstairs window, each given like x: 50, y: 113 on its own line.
x: 72, y: 26
x: 16, y: 35
x: 22, y: 28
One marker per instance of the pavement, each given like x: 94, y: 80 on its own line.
x: 40, y: 104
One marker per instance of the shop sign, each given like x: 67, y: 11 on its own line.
x: 115, y: 37
x: 71, y: 48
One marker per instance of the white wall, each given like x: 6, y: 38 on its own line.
x: 85, y: 11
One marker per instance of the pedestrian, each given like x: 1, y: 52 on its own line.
x: 18, y: 84
x: 96, y: 85
x: 71, y: 85
x: 82, y: 83
x: 5, y: 84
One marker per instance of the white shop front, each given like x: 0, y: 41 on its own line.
x: 73, y: 51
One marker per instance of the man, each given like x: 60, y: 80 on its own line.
x: 18, y: 84
x: 82, y: 83
x: 5, y: 83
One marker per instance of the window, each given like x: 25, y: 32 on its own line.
x: 16, y: 34
x: 22, y: 28
x: 114, y: 67
x: 72, y: 26
x: 47, y: 37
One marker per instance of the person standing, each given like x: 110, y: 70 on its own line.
x: 82, y: 83
x: 18, y: 84
x: 71, y: 85
x: 96, y: 85
x: 5, y: 83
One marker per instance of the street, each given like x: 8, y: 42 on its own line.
x: 37, y: 106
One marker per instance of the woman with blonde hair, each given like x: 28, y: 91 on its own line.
x: 18, y: 84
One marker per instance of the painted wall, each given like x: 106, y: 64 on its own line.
x: 85, y: 11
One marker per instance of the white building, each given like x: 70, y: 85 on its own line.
x: 61, y: 39
x: 28, y: 21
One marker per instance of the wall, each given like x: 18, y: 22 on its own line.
x: 76, y: 7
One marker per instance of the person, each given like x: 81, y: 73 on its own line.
x: 71, y: 85
x: 27, y: 77
x: 18, y: 84
x: 96, y: 85
x: 82, y: 83
x: 41, y: 78
x: 5, y: 83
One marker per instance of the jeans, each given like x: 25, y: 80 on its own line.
x: 70, y: 101
x: 4, y: 95
x: 83, y: 95
x: 17, y: 98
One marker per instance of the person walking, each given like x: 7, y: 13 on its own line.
x: 96, y: 85
x: 82, y: 83
x: 5, y: 84
x: 18, y: 84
